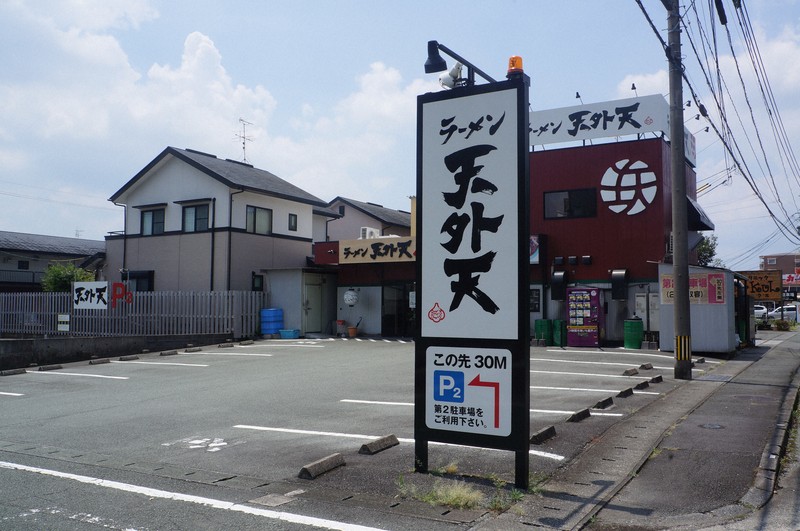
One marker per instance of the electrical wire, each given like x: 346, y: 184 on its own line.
x: 729, y: 142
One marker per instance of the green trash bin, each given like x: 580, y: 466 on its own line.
x: 634, y: 332
x: 559, y: 332
x: 543, y: 329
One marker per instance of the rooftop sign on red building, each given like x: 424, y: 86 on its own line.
x: 597, y: 120
x: 630, y: 116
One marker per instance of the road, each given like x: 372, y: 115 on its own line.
x: 216, y: 438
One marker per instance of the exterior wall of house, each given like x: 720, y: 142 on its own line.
x: 177, y: 181
x: 180, y: 262
x: 220, y: 258
x: 319, y: 229
x: 281, y: 208
x: 22, y: 271
x: 255, y: 254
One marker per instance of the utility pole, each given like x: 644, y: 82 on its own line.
x: 680, y: 230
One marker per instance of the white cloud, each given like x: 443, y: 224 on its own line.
x: 646, y: 84
x: 91, y: 15
x: 364, y: 149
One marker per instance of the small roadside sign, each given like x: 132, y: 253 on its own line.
x: 470, y: 390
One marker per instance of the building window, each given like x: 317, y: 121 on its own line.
x: 139, y: 280
x: 293, y: 222
x: 341, y: 210
x: 257, y: 283
x: 570, y: 204
x: 152, y: 222
x: 772, y: 261
x: 23, y: 264
x: 259, y: 220
x: 195, y: 218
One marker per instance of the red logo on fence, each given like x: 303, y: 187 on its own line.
x: 120, y: 291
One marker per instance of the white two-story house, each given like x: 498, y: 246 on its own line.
x: 195, y: 222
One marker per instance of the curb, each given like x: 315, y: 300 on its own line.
x: 769, y: 468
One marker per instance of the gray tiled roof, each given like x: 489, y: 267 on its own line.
x: 39, y: 243
x: 379, y: 212
x: 234, y: 174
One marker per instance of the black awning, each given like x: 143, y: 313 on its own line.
x: 698, y: 219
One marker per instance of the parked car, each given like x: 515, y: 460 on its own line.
x: 789, y: 313
x: 760, y: 311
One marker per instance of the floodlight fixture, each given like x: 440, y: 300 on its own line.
x: 435, y: 63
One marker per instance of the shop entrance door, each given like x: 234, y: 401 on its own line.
x: 397, y: 319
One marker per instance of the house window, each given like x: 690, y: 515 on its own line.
x: 152, y: 222
x: 259, y: 220
x: 139, y: 280
x: 293, y: 222
x: 195, y: 218
x: 570, y: 204
x: 772, y: 261
x: 341, y: 210
x: 23, y: 264
x: 257, y: 282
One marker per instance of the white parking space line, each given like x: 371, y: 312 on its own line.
x: 665, y: 356
x: 373, y: 437
x: 307, y: 432
x: 11, y: 394
x: 594, y: 375
x: 593, y: 412
x: 542, y: 411
x: 160, y: 363
x: 585, y: 390
x: 240, y: 354
x: 61, y: 373
x: 276, y: 344
x: 350, y: 401
x: 587, y: 362
x: 188, y: 498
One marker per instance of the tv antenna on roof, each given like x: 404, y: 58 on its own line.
x: 244, y: 138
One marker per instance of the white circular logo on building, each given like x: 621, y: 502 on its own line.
x: 628, y: 187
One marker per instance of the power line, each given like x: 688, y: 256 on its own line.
x: 731, y: 146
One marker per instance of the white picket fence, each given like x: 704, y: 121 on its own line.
x: 158, y: 313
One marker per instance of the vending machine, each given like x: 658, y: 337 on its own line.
x: 585, y: 317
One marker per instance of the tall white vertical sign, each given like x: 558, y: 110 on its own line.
x: 469, y: 185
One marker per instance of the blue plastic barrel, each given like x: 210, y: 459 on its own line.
x: 271, y: 320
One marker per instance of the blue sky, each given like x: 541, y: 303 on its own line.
x: 92, y: 90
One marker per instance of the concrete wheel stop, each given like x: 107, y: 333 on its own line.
x: 317, y: 468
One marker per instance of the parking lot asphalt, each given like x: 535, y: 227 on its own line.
x: 679, y: 454
x: 706, y: 453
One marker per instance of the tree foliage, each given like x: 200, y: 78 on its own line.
x: 59, y: 277
x: 707, y: 251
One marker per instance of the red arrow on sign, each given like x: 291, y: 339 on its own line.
x: 496, y: 385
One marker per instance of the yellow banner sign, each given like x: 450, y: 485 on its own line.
x: 378, y: 250
x: 764, y: 285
